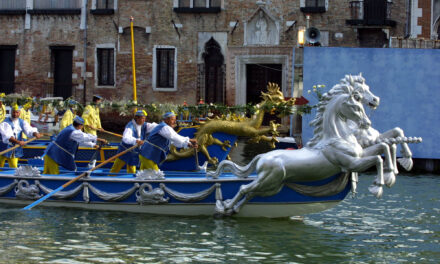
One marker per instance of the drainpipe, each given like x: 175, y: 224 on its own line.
x: 408, y: 18
x: 84, y: 69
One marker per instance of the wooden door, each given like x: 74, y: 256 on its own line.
x: 62, y: 59
x: 7, y: 69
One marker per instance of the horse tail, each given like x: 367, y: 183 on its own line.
x: 237, y: 170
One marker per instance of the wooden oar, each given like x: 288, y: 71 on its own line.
x: 17, y: 146
x: 111, y: 133
x: 196, y: 156
x: 77, y: 178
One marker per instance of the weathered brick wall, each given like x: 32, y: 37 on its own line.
x: 425, y: 20
x: 33, y: 60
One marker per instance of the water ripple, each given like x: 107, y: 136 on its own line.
x: 402, y: 227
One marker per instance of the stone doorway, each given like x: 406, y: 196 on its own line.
x: 258, y: 77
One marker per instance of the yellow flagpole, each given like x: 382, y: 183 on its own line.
x: 133, y: 61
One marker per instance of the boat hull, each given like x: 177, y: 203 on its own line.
x: 251, y: 210
x: 179, y: 193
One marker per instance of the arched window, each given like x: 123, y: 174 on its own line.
x: 214, y: 72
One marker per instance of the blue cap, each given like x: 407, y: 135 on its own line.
x: 141, y: 113
x: 78, y: 120
x: 168, y: 114
x: 72, y: 102
x: 98, y: 97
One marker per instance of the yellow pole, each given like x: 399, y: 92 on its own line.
x: 132, y: 58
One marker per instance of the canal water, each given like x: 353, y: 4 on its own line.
x: 401, y: 227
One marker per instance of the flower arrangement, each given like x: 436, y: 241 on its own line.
x: 155, y: 110
x: 317, y: 91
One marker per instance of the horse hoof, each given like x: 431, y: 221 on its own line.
x: 227, y: 203
x: 219, y: 207
x: 389, y: 178
x: 376, y: 190
x: 407, y: 163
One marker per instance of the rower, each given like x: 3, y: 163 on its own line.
x: 135, y: 133
x: 25, y: 112
x: 12, y: 130
x: 69, y: 115
x: 92, y: 122
x: 2, y: 108
x: 61, y: 151
x: 156, y: 147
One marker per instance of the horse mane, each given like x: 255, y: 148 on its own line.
x: 346, y: 86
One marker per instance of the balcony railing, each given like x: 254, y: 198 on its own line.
x: 104, y: 7
x: 314, y: 6
x: 198, y: 6
x: 56, y: 7
x: 57, y: 4
x: 13, y: 4
x: 371, y: 13
x: 12, y: 7
x: 105, y: 4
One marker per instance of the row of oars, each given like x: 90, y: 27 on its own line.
x: 74, y: 179
x: 81, y: 175
x: 30, y: 206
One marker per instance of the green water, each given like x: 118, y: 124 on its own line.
x: 402, y: 227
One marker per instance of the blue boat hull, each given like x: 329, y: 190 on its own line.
x: 179, y: 193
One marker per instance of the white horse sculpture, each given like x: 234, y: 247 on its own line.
x: 368, y: 136
x: 333, y: 149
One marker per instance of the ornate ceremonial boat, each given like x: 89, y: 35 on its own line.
x: 174, y: 193
x: 278, y: 183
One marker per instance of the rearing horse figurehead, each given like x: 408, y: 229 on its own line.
x: 332, y: 150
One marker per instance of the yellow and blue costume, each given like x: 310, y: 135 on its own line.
x: 132, y: 133
x: 68, y: 116
x: 91, y: 118
x: 13, y: 128
x: 2, y: 108
x: 61, y: 151
x: 157, y: 145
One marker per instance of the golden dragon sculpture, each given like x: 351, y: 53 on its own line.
x: 247, y: 127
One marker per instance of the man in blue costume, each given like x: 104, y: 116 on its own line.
x: 155, y: 149
x: 62, y: 150
x: 135, y: 132
x: 12, y: 130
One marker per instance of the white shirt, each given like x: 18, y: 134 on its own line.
x: 84, y: 139
x: 128, y: 138
x: 176, y: 139
x: 7, y: 132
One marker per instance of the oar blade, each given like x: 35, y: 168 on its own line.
x: 43, y: 198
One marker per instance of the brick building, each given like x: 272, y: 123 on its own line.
x: 424, y: 19
x: 218, y: 50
